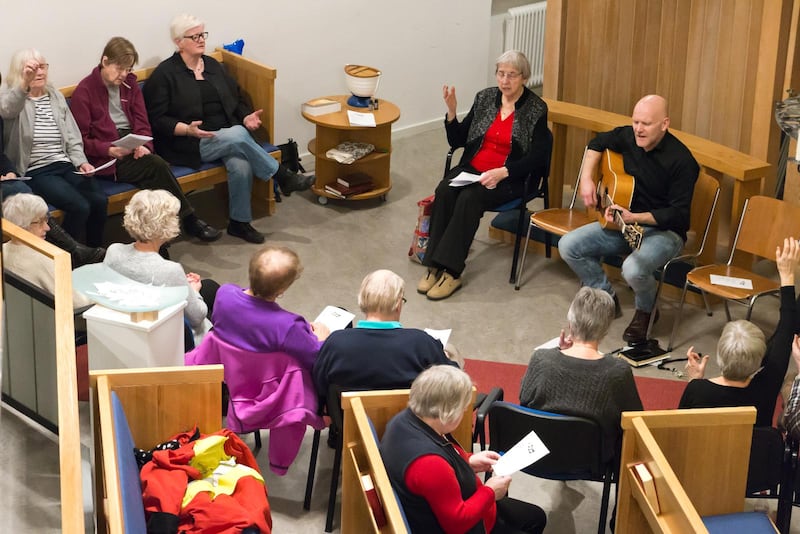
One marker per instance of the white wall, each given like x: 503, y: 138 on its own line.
x: 419, y: 45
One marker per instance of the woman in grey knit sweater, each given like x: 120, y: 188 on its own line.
x: 576, y: 379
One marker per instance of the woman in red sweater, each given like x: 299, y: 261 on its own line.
x: 435, y: 478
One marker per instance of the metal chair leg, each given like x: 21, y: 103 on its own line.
x: 257, y: 435
x: 312, y: 468
x: 524, y: 253
x: 337, y: 464
x: 678, y: 316
x: 727, y: 311
x: 705, y: 302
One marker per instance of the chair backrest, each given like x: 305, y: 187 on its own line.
x: 704, y: 205
x: 765, y: 222
x: 263, y: 387
x: 575, y: 443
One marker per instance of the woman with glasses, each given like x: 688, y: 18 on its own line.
x: 199, y: 115
x: 108, y: 105
x: 44, y: 142
x: 30, y: 213
x: 504, y: 140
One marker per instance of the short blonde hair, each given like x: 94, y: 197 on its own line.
x: 152, y: 215
x: 181, y: 23
x: 381, y: 292
x: 23, y: 209
x: 740, y: 350
x: 273, y: 270
x: 18, y: 60
x: 441, y: 392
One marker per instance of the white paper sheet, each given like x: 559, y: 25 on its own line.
x: 100, y: 168
x: 20, y: 178
x: 334, y: 318
x: 527, y: 451
x: 731, y: 281
x: 441, y: 335
x: 465, y: 178
x: 552, y: 344
x: 132, y: 141
x: 361, y: 119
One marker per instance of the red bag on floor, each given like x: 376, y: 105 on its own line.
x: 419, y: 241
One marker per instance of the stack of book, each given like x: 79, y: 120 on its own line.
x: 352, y: 184
x: 321, y: 106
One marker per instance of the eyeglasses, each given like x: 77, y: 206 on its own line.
x: 197, y: 36
x: 123, y: 70
x: 510, y: 75
x: 40, y: 221
x: 43, y: 66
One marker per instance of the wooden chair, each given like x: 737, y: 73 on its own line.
x: 536, y: 185
x: 701, y: 223
x: 765, y: 222
x: 558, y: 221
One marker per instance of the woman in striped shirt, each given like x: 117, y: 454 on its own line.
x: 44, y: 142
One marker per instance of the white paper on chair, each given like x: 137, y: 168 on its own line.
x: 465, y: 178
x: 731, y: 281
x: 334, y: 318
x: 528, y: 450
x: 441, y: 335
x: 361, y: 119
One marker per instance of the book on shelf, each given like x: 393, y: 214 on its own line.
x: 321, y: 106
x: 373, y: 500
x: 645, y: 479
x: 338, y: 190
x: 357, y: 178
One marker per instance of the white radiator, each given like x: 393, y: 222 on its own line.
x: 525, y: 32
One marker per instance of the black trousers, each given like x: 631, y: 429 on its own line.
x: 152, y: 172
x: 518, y: 517
x: 456, y: 215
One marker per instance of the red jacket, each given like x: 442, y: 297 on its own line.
x: 89, y: 106
x: 170, y: 487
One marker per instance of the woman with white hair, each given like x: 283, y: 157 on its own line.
x: 576, y: 378
x: 151, y: 219
x: 752, y: 369
x: 504, y: 139
x: 198, y: 114
x: 30, y: 213
x: 44, y: 142
x: 435, y: 478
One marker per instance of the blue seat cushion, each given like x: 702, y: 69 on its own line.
x: 508, y: 220
x: 739, y: 523
x: 180, y: 171
x: 129, y: 482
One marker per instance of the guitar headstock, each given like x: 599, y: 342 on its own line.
x: 633, y: 235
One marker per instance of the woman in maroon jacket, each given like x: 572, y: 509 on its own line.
x: 108, y: 105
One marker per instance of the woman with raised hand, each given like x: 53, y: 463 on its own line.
x: 44, y: 142
x: 108, y: 105
x: 199, y: 115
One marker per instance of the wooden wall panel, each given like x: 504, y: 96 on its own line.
x: 720, y: 63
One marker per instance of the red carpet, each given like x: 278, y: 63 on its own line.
x: 656, y: 393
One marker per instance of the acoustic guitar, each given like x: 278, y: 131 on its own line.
x: 615, y: 186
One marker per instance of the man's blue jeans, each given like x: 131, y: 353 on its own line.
x: 583, y: 248
x: 243, y: 159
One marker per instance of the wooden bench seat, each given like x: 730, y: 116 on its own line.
x: 257, y: 83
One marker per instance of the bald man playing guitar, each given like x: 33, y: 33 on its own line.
x: 664, y: 172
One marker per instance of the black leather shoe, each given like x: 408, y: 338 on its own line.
x: 244, y: 231
x: 201, y: 229
x: 83, y: 255
x: 636, y: 333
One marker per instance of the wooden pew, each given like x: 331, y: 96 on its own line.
x: 698, y: 459
x: 69, y: 442
x: 158, y: 403
x: 257, y: 82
